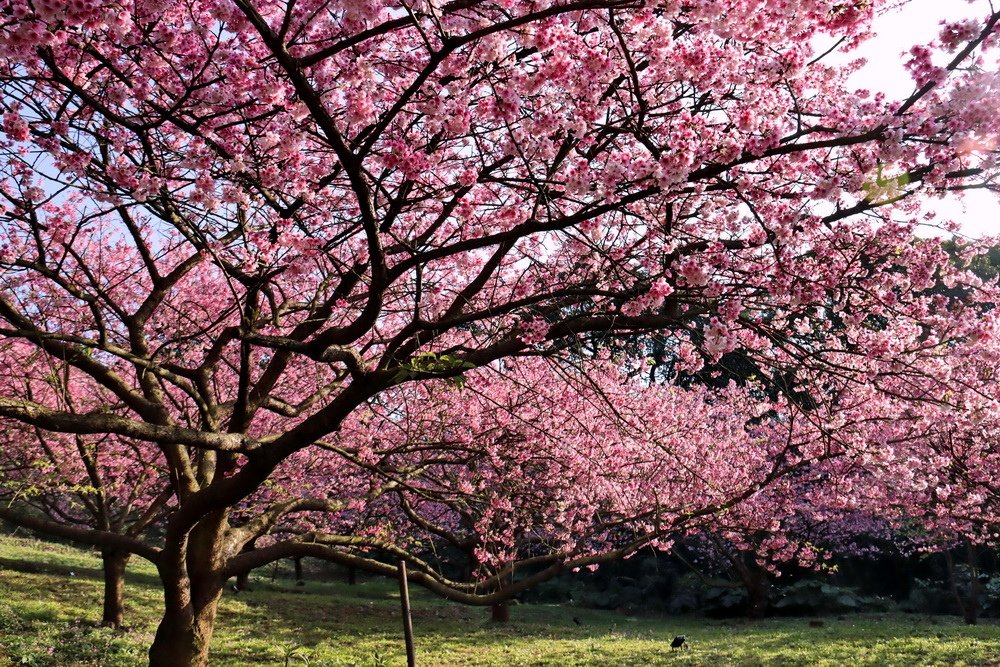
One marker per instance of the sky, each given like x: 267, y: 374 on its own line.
x: 918, y: 23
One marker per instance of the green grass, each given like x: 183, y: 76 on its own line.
x: 48, y: 619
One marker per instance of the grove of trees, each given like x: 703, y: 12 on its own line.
x: 366, y: 281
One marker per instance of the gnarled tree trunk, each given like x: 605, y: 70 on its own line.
x: 184, y: 636
x: 114, y: 563
x: 191, y: 571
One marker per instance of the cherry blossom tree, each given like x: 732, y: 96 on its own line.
x: 250, y: 230
x: 80, y: 481
x: 527, y: 470
x: 953, y: 497
x: 921, y: 470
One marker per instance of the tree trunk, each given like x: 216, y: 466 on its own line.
x: 968, y: 605
x: 183, y: 639
x: 352, y: 576
x: 298, y: 571
x: 757, y: 585
x: 971, y: 615
x: 190, y: 568
x: 114, y: 563
x: 758, y: 596
x: 243, y: 578
x: 500, y: 613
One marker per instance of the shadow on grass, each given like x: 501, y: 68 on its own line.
x: 316, y: 618
x: 343, y: 624
x: 55, y: 569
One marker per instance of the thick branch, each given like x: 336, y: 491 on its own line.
x: 98, y: 538
x: 99, y: 422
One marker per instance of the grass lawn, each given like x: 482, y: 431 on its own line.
x: 48, y: 618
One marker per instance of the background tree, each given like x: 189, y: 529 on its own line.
x: 80, y: 482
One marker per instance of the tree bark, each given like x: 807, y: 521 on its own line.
x: 500, y: 613
x: 298, y: 571
x: 759, y: 596
x: 114, y: 563
x: 971, y: 615
x: 753, y: 577
x: 183, y: 638
x: 243, y: 578
x: 968, y: 605
x: 757, y: 585
x: 190, y: 568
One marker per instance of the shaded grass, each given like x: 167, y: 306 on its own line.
x: 48, y: 618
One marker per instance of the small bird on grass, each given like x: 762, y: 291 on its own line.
x: 679, y: 642
x: 577, y: 621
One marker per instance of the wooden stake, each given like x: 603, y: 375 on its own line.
x: 404, y: 597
